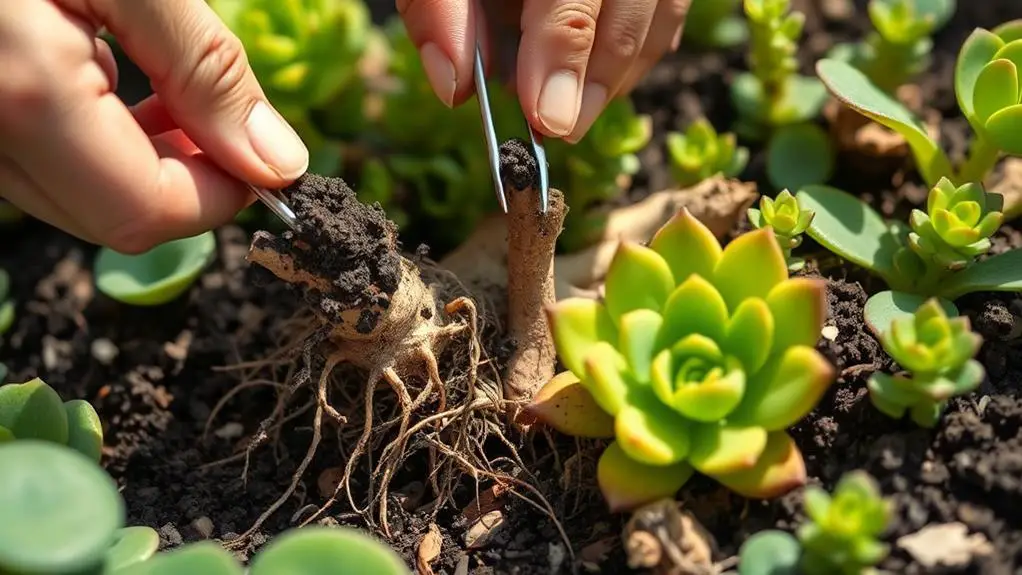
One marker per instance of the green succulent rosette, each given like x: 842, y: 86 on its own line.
x: 700, y: 153
x: 842, y: 533
x: 957, y: 224
x: 699, y: 357
x: 988, y: 86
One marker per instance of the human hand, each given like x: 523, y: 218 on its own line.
x: 573, y: 56
x: 73, y: 155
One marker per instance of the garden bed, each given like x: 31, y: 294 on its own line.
x: 157, y: 375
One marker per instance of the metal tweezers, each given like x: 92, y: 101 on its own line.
x: 277, y: 203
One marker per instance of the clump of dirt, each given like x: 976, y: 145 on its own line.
x: 518, y: 166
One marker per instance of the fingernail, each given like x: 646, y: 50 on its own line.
x: 276, y: 142
x: 558, y: 102
x: 676, y: 41
x: 440, y: 71
x: 594, y: 99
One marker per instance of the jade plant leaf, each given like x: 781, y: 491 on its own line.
x: 850, y: 228
x: 882, y: 308
x: 326, y: 551
x: 84, y: 429
x: 132, y: 545
x: 61, y: 511
x: 799, y: 155
x: 33, y: 410
x: 156, y: 276
x: 1002, y: 272
x: 770, y: 552
x: 205, y: 557
x: 854, y: 89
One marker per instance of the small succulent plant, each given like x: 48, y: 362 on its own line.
x: 787, y: 219
x: 6, y: 303
x: 715, y: 24
x: 839, y: 538
x: 956, y: 227
x: 698, y: 358
x: 700, y: 153
x: 937, y: 353
x: 987, y: 87
x: 156, y: 276
x: 33, y: 410
x: 898, y: 49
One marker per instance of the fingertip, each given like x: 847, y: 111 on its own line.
x: 594, y: 100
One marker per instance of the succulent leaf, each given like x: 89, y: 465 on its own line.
x: 688, y: 247
x: 694, y: 307
x: 841, y: 535
x: 626, y: 483
x: 566, y: 405
x: 785, y: 390
x: 576, y: 325
x: 640, y: 331
x: 799, y: 309
x: 33, y: 410
x: 606, y: 377
x: 649, y: 432
x: 779, y: 469
x: 770, y: 552
x: 719, y: 449
x: 750, y: 266
x: 635, y: 265
x: 750, y: 334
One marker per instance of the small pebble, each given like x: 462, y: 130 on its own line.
x: 204, y: 526
x: 104, y: 351
x: 829, y: 332
x: 230, y: 430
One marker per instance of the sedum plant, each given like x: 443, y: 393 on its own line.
x: 773, y: 94
x: 841, y: 536
x: 715, y: 24
x: 6, y: 302
x: 698, y: 358
x: 788, y: 221
x: 701, y: 153
x: 987, y: 86
x: 157, y: 276
x: 936, y: 254
x: 33, y: 410
x: 937, y: 353
x: 899, y: 47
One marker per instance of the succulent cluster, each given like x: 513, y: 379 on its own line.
x: 6, y: 303
x: 937, y: 353
x: 840, y: 536
x: 956, y: 227
x: 33, y: 410
x: 699, y: 358
x: 788, y: 221
x: 700, y: 153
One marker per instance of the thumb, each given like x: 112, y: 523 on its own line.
x: 199, y: 69
x: 444, y: 31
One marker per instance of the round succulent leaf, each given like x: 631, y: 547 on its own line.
x: 640, y: 332
x: 750, y: 334
x: 1012, y: 52
x: 799, y: 155
x: 325, y: 550
x: 576, y: 325
x: 204, y: 557
x: 638, y: 278
x: 627, y: 484
x: 132, y: 545
x: 802, y: 100
x: 798, y: 307
x: 156, y: 276
x: 854, y: 89
x: 33, y: 410
x: 693, y: 307
x: 1004, y: 129
x: 963, y: 381
x: 566, y: 405
x: 1009, y: 31
x: 976, y: 52
x: 997, y: 87
x: 606, y: 377
x: 787, y: 388
x: 751, y: 265
x: 84, y: 429
x: 891, y: 395
x: 882, y: 308
x: 688, y: 246
x: 756, y: 217
x: 720, y: 448
x: 779, y: 469
x: 61, y: 510
x: 989, y: 224
x: 926, y: 414
x: 651, y: 433
x: 770, y: 552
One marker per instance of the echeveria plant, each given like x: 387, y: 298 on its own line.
x: 6, y: 303
x: 987, y: 86
x: 700, y: 153
x: 33, y: 410
x: 715, y: 24
x: 937, y: 353
x: 840, y: 537
x: 788, y: 221
x: 898, y: 49
x: 156, y: 276
x: 702, y: 356
x: 935, y: 255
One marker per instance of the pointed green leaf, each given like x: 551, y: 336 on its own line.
x: 640, y: 330
x: 719, y: 449
x: 627, y: 484
x: 751, y: 265
x: 649, y: 432
x: 565, y: 405
x: 33, y: 410
x: 605, y: 377
x: 1002, y: 272
x: 1004, y: 129
x: 688, y: 246
x: 695, y: 307
x: 799, y: 309
x: 882, y: 308
x: 854, y: 89
x: 996, y: 88
x: 750, y: 334
x: 576, y: 325
x: 85, y: 431
x: 638, y: 278
x: 851, y: 229
x: 785, y: 390
x: 779, y: 469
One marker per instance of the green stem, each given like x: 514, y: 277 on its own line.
x: 983, y: 155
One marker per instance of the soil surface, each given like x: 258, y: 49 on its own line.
x: 158, y: 375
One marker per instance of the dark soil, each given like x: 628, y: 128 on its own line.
x: 156, y: 375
